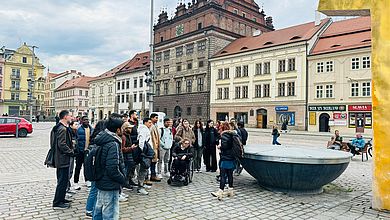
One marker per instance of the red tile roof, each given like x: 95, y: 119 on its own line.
x: 65, y: 73
x: 112, y: 72
x: 139, y: 61
x: 79, y: 82
x: 52, y: 75
x: 345, y: 35
x: 288, y: 35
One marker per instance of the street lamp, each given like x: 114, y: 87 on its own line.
x: 32, y: 80
x: 151, y: 87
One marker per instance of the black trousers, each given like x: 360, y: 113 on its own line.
x: 210, y: 158
x: 79, y: 164
x: 62, y: 183
x: 222, y: 181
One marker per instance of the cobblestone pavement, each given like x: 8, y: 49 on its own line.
x: 27, y: 189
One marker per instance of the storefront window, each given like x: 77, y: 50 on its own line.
x: 241, y: 117
x: 285, y: 116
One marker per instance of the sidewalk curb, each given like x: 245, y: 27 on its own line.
x: 301, y: 133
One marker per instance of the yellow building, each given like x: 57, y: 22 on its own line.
x: 18, y: 81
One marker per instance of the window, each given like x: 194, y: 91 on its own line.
x: 178, y: 67
x: 220, y: 73
x: 329, y: 91
x: 226, y: 93
x: 201, y: 64
x: 16, y: 73
x: 86, y: 103
x: 24, y: 59
x: 179, y: 51
x: 158, y: 71
x: 226, y: 73
x: 291, y: 88
x: 320, y: 67
x: 178, y: 87
x: 141, y: 97
x: 109, y: 89
x: 282, y: 65
x: 15, y: 96
x: 199, y: 110
x: 189, y: 85
x: 355, y: 89
x: 238, y: 92
x: 30, y: 74
x: 355, y: 63
x: 281, y: 89
x: 267, y: 68
x: 127, y: 98
x: 202, y: 45
x: 366, y: 88
x: 123, y: 84
x: 158, y: 89
x: 141, y: 82
x: 235, y: 11
x: 158, y: 57
x: 200, y: 25
x: 86, y: 93
x: 266, y: 90
x: 188, y: 110
x: 166, y: 54
x: 257, y: 91
x: 166, y: 88
x: 189, y: 66
x: 127, y: 84
x: 245, y: 92
x: 123, y: 98
x: 366, y: 63
x: 238, y: 71
x: 291, y: 64
x: 118, y: 86
x: 15, y: 85
x: 80, y: 92
x: 319, y: 91
x: 245, y: 70
x: 200, y: 84
x: 243, y: 15
x: 329, y: 66
x: 190, y: 49
x: 166, y: 69
x: 219, y: 93
x: 258, y: 69
x: 135, y: 97
x: 135, y: 83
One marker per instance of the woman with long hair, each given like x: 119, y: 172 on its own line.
x: 198, y: 145
x: 211, y: 140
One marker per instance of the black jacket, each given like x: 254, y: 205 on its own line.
x: 196, y: 144
x: 227, y: 145
x: 64, y: 145
x: 112, y: 161
x: 178, y: 152
x: 134, y: 132
x: 244, y: 135
x: 211, y: 137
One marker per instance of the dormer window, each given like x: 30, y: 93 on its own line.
x: 244, y: 48
x: 243, y: 15
x: 235, y: 11
x: 295, y: 38
x: 335, y: 45
x: 268, y: 43
x: 366, y: 40
x: 223, y: 52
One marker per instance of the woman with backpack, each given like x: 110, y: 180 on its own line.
x: 211, y: 140
x: 198, y: 145
x: 227, y: 159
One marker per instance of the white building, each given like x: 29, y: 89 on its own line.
x: 340, y: 78
x: 261, y: 80
x: 131, y: 90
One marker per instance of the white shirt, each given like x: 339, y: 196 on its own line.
x: 143, y: 136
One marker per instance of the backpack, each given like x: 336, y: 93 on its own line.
x: 93, y: 169
x: 50, y: 157
x: 238, y: 149
x: 147, y: 155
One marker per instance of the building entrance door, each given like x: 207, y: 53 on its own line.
x: 262, y: 118
x: 324, y: 122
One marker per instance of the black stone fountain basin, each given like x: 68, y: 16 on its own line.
x: 294, y: 170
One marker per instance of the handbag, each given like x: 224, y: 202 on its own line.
x: 50, y: 159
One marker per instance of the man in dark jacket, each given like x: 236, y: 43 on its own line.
x: 62, y: 139
x: 244, y: 138
x: 134, y: 121
x: 107, y: 204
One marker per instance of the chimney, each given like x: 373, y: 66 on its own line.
x: 269, y: 22
x: 317, y: 18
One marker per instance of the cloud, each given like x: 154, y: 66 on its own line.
x: 94, y: 36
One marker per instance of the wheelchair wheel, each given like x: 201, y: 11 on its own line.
x: 191, y: 173
x: 169, y: 181
x: 186, y: 181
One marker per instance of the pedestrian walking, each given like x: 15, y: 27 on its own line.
x: 211, y: 141
x: 38, y: 116
x: 166, y: 143
x: 198, y: 145
x: 275, y: 135
x: 107, y: 203
x: 84, y: 133
x: 63, y: 151
x: 155, y: 139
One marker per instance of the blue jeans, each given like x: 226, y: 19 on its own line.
x: 275, y: 140
x: 107, y: 205
x: 91, y: 201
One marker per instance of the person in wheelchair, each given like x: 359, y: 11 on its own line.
x: 181, y: 154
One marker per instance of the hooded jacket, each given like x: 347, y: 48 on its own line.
x: 112, y: 161
x: 227, y: 145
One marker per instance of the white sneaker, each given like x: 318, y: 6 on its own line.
x: 142, y: 191
x: 76, y: 186
x: 122, y: 199
x: 160, y: 176
x: 124, y: 195
x: 68, y: 196
x: 88, y: 184
x: 167, y: 174
x: 147, y: 187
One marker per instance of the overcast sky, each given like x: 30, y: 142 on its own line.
x: 93, y: 36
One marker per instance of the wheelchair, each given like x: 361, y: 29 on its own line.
x: 177, y: 177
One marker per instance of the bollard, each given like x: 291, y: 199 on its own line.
x: 17, y: 129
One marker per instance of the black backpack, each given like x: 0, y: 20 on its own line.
x: 93, y: 169
x: 238, y: 148
x: 50, y: 157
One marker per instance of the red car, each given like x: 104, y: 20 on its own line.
x: 8, y: 126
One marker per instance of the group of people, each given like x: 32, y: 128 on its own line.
x: 134, y: 155
x: 355, y: 146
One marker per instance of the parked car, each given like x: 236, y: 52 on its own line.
x: 8, y: 126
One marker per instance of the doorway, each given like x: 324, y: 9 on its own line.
x: 100, y: 114
x: 324, y: 122
x: 262, y: 118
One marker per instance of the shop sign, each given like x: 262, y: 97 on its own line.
x: 324, y: 108
x: 281, y: 108
x: 360, y: 108
x: 340, y: 116
x: 340, y: 122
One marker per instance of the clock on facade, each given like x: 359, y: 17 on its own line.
x: 179, y: 30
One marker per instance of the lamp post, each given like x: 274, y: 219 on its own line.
x: 151, y: 87
x: 32, y: 80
